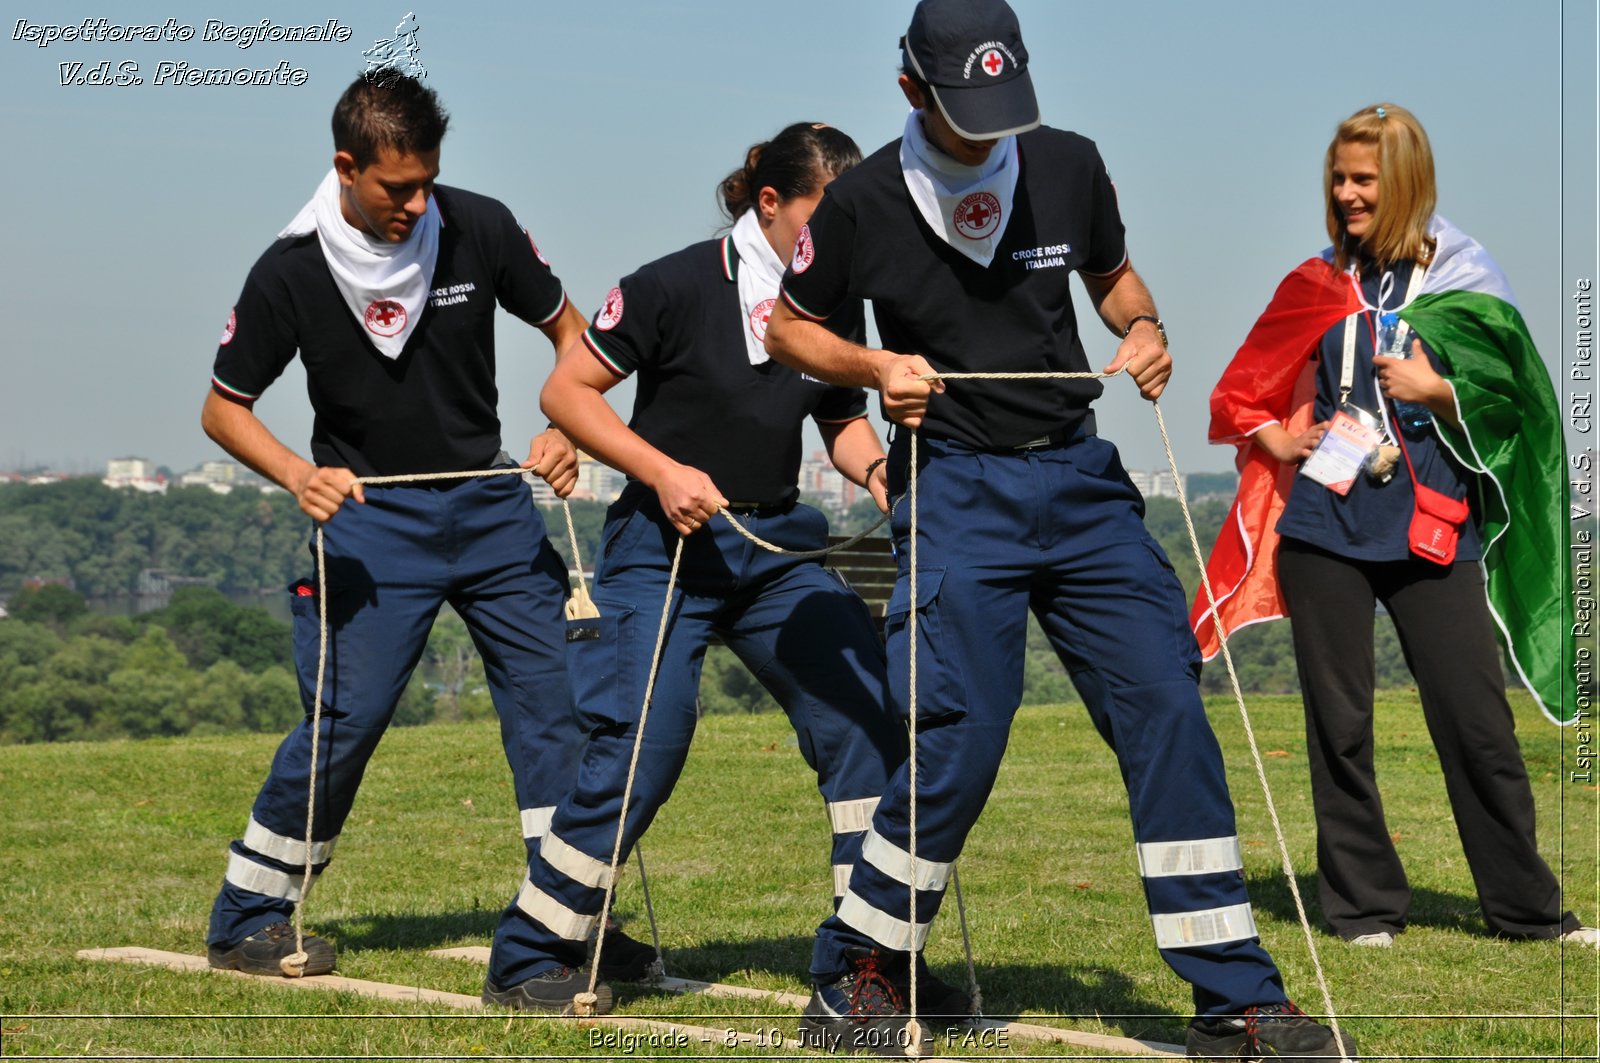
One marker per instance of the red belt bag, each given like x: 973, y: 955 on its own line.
x: 1436, y: 518
x: 1435, y: 524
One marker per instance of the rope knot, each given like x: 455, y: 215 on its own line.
x: 294, y: 964
x: 913, y: 1038
x: 583, y: 1004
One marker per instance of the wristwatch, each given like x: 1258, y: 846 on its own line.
x: 1156, y: 321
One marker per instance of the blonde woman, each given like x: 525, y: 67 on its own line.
x: 1402, y: 446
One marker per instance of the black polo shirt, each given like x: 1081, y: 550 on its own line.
x: 433, y: 409
x: 678, y: 323
x: 867, y: 240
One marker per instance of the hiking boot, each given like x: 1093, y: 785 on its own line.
x: 622, y: 959
x: 550, y: 992
x: 264, y: 951
x: 1270, y: 1031
x: 936, y: 998
x: 861, y: 1012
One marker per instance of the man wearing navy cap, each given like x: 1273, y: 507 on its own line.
x: 963, y: 234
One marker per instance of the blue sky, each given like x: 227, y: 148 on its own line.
x: 135, y: 211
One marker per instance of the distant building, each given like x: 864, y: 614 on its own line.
x: 212, y: 473
x: 826, y: 486
x: 120, y: 470
x: 136, y: 473
x: 598, y: 481
x: 1155, y: 484
x: 543, y: 493
x: 155, y: 583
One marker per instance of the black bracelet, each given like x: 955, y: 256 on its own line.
x: 872, y: 468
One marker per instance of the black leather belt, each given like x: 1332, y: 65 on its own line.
x: 757, y: 509
x: 1053, y: 439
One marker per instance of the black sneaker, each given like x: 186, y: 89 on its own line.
x: 1270, y: 1031
x: 622, y: 959
x: 937, y: 1000
x: 550, y: 992
x: 264, y: 952
x: 861, y: 1012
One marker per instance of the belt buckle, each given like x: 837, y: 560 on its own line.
x: 1033, y: 444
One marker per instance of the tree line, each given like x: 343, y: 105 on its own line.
x: 203, y: 664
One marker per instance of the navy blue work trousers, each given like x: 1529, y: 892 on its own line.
x: 391, y: 563
x: 1059, y: 530
x: 802, y: 633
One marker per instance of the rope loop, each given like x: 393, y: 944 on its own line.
x: 583, y: 1003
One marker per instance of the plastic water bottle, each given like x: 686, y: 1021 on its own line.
x: 1392, y: 338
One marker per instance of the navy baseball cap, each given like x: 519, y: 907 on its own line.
x: 970, y: 53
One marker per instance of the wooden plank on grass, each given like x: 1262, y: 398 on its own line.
x: 1022, y: 1030
x: 180, y: 961
x: 480, y: 954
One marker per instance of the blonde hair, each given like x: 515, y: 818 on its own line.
x: 1406, y: 190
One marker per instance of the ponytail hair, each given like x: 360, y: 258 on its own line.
x: 797, y: 162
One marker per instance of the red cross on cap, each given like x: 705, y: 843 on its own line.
x: 992, y: 63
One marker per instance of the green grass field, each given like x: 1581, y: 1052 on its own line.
x: 124, y: 844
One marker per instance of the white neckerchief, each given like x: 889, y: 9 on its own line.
x: 967, y: 206
x: 760, y: 270
x: 385, y: 285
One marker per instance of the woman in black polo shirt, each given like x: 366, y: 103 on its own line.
x: 715, y: 424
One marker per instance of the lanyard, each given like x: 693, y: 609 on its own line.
x: 1347, y: 365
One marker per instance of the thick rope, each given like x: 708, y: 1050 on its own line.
x: 753, y: 537
x: 294, y: 965
x: 633, y: 768
x: 644, y: 712
x: 581, y: 607
x: 1255, y: 749
x: 974, y: 992
x: 650, y: 910
x: 913, y: 1028
x: 1233, y: 675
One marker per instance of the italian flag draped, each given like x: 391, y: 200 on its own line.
x: 1510, y: 435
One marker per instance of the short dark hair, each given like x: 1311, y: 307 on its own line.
x: 798, y: 161
x: 917, y: 80
x: 396, y: 111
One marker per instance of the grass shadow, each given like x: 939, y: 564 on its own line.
x: 418, y: 930
x: 1434, y: 909
x: 1099, y: 994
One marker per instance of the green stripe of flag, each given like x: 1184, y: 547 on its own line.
x: 1511, y: 434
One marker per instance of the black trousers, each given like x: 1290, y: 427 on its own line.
x: 1448, y: 639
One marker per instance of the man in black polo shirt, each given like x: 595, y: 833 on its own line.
x: 964, y: 234
x: 386, y: 286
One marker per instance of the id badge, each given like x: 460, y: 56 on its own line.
x: 1352, y: 439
